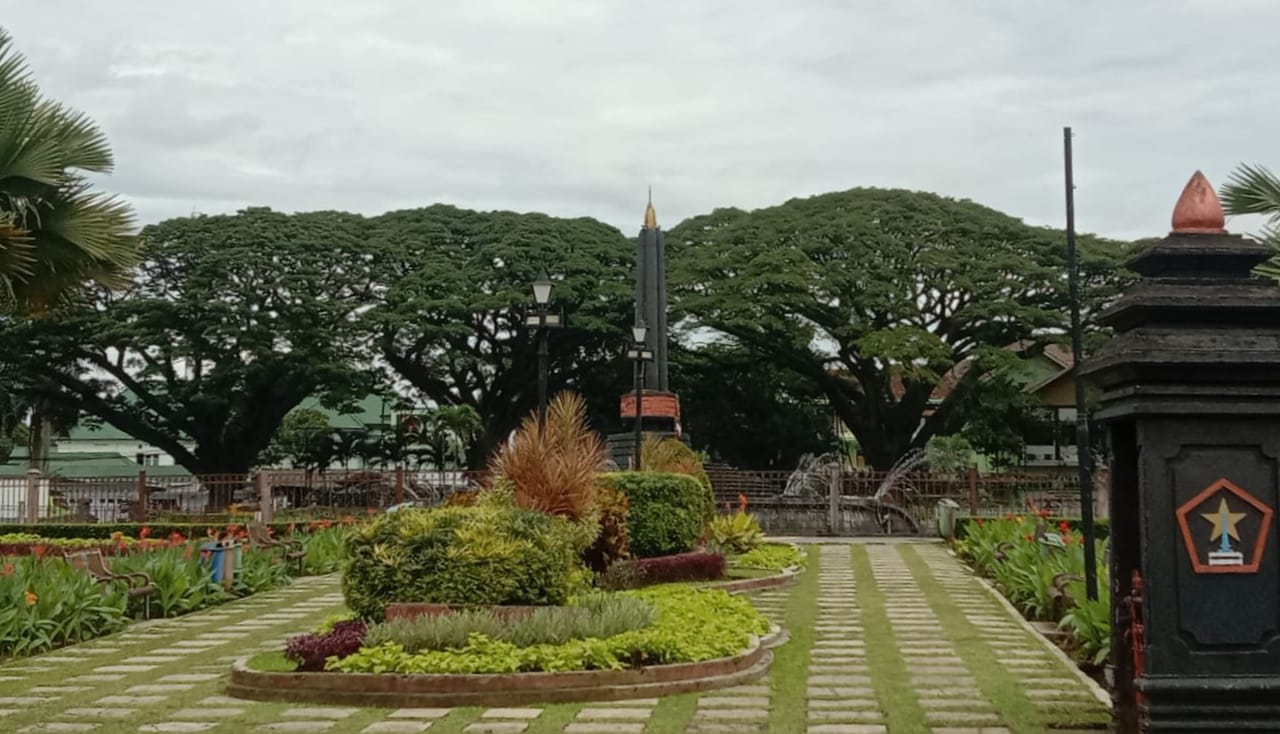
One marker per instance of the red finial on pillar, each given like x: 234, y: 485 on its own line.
x: 1198, y: 210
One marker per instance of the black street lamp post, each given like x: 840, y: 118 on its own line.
x: 543, y: 321
x: 641, y: 355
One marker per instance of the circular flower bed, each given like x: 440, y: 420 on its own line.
x: 694, y: 639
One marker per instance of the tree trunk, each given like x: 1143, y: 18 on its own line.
x: 41, y: 440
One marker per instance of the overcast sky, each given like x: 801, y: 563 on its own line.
x: 573, y: 107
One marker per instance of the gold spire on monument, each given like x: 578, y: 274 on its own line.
x: 650, y: 216
x: 1198, y: 210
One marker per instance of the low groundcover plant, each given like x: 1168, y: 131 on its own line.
x: 692, y: 625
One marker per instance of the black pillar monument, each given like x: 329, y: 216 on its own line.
x: 660, y: 406
x: 1191, y: 398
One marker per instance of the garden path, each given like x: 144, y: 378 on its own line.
x: 885, y: 638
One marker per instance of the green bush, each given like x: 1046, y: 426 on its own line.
x: 692, y: 625
x: 597, y: 615
x: 1101, y: 525
x: 667, y: 511
x: 489, y: 554
x: 770, y: 557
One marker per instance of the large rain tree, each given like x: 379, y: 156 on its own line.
x: 232, y: 321
x: 458, y: 287
x: 877, y: 297
x: 56, y: 232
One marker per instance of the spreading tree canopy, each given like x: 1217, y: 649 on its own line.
x: 451, y: 321
x: 231, y: 322
x: 877, y: 297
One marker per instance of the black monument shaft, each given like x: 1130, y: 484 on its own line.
x: 651, y: 303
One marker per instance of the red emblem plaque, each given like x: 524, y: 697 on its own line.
x: 1210, y: 524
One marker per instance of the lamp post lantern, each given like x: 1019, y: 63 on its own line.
x: 641, y: 355
x: 543, y: 320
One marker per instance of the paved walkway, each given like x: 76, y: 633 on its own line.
x: 887, y: 638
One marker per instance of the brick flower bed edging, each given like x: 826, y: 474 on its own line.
x: 393, y: 690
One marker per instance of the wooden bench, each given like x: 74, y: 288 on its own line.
x: 136, y: 584
x: 291, y: 550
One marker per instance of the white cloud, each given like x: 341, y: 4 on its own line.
x: 574, y: 106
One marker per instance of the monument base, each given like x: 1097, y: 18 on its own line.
x: 1246, y: 703
x: 622, y: 446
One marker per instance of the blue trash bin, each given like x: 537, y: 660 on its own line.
x: 211, y: 557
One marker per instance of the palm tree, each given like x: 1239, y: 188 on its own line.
x: 1256, y: 190
x: 56, y: 233
x: 461, y: 422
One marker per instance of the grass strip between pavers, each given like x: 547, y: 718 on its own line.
x: 1002, y: 688
x: 554, y: 717
x: 672, y: 714
x: 889, y: 676
x: 789, y: 673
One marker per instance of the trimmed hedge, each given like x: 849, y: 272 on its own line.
x: 667, y: 511
x: 1101, y: 525
x: 684, y: 567
x: 103, y: 530
x: 486, y: 555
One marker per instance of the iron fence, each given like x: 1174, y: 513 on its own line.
x: 141, y: 498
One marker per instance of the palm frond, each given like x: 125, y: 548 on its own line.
x: 1252, y: 190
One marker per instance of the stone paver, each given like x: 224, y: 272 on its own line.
x: 170, y: 676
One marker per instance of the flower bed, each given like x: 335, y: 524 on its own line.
x: 699, y: 640
x: 1039, y: 567
x: 46, y: 603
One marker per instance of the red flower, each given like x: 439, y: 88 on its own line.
x: 1044, y: 514
x: 742, y: 502
x: 1028, y: 537
x: 980, y: 521
x: 372, y: 511
x: 7, y: 570
x: 1064, y: 527
x: 40, y: 550
x: 144, y: 533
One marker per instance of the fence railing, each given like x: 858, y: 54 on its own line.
x: 36, y: 498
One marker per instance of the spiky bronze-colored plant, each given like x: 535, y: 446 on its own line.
x: 552, y: 467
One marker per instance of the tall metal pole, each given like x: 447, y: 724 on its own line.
x: 1084, y: 458
x: 544, y: 356
x: 639, y: 427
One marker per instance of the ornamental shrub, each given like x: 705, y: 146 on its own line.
x: 692, y: 625
x: 672, y: 456
x: 312, y: 650
x: 613, y: 542
x: 597, y: 615
x: 667, y: 511
x: 695, y: 566
x: 489, y: 554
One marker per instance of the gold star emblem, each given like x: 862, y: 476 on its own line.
x: 1223, y: 520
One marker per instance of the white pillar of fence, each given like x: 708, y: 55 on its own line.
x: 33, y: 496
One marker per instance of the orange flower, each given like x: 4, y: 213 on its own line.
x: 1064, y: 527
x: 7, y: 570
x: 742, y: 502
x: 144, y: 533
x: 31, y: 598
x: 980, y: 521
x: 1028, y: 537
x: 1044, y: 514
x: 39, y: 550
